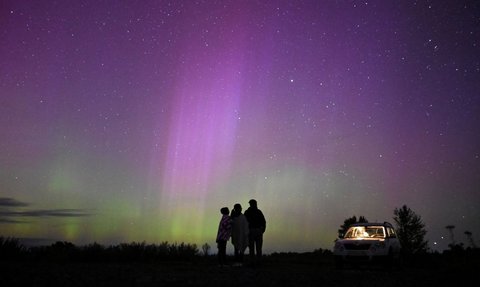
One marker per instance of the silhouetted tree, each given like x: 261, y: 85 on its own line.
x: 206, y: 249
x: 410, y: 230
x: 450, y: 230
x: 470, y: 239
x: 11, y: 248
x: 349, y: 221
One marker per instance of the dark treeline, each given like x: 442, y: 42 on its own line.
x: 11, y: 249
x: 61, y: 251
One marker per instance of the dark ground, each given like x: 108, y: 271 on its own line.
x: 274, y: 270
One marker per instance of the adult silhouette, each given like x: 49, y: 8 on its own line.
x: 239, y: 233
x: 256, y: 226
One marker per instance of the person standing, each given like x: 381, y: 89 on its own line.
x: 257, y: 226
x: 239, y: 233
x: 223, y: 235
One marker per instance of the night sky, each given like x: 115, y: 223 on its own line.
x: 138, y: 120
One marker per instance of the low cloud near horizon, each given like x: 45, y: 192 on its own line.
x: 11, y: 202
x: 6, y: 216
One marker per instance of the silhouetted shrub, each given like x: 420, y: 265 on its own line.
x: 205, y: 249
x: 183, y: 250
x: 58, y: 251
x: 132, y: 251
x: 11, y: 249
x: 138, y: 252
x: 93, y: 252
x: 163, y: 249
x: 323, y: 252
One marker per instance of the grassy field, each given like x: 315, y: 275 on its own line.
x: 289, y: 269
x: 167, y: 264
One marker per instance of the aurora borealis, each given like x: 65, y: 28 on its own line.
x: 138, y: 120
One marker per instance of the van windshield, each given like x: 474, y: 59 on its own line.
x: 365, y: 232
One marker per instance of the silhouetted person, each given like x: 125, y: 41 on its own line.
x: 239, y: 233
x: 257, y: 226
x: 223, y: 234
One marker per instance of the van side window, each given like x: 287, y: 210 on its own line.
x: 391, y: 232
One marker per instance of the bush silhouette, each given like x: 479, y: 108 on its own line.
x: 11, y: 248
x: 63, y: 251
